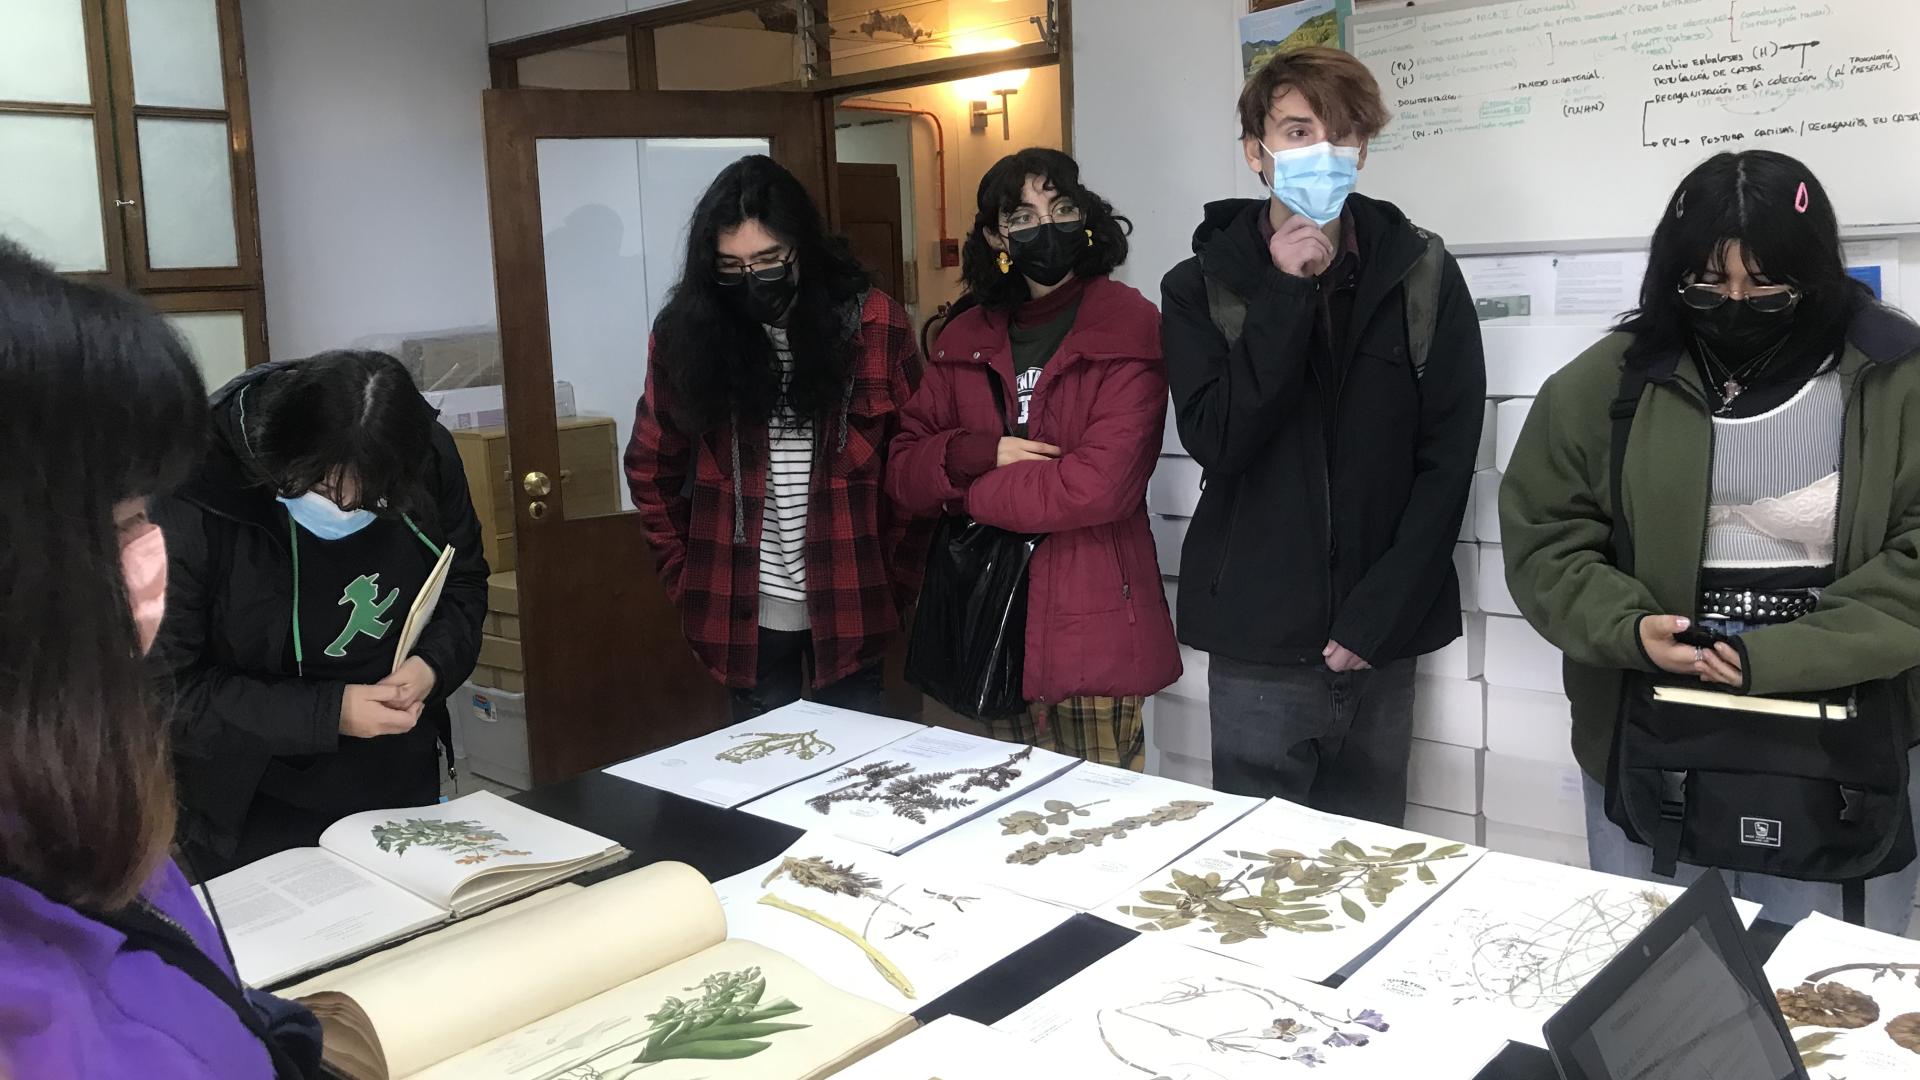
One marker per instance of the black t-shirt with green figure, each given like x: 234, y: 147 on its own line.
x: 1038, y: 329
x: 351, y: 598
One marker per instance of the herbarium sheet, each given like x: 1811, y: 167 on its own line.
x: 863, y: 922
x: 1852, y: 997
x: 1514, y: 940
x: 1155, y: 1009
x: 914, y: 789
x: 955, y: 1048
x: 1294, y: 889
x: 743, y: 762
x: 1083, y: 838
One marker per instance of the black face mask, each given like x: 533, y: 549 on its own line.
x: 768, y: 302
x: 1048, y: 258
x: 1736, y: 333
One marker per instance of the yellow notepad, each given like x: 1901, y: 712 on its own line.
x: 1714, y: 699
x: 424, y: 603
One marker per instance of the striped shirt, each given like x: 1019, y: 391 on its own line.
x: 783, y: 535
x: 1776, y: 483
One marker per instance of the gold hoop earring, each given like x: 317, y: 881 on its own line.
x: 1005, y: 263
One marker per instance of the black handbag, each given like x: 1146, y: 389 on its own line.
x: 1811, y: 787
x: 969, y: 643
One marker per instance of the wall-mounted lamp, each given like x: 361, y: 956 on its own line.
x: 981, y: 112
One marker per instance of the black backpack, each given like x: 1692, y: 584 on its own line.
x: 1726, y: 783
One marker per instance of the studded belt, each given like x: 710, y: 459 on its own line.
x: 1756, y: 607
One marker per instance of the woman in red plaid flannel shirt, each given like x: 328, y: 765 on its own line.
x: 774, y: 387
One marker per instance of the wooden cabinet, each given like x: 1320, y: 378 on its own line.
x: 589, y: 478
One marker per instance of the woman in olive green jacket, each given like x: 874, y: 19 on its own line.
x: 1775, y: 450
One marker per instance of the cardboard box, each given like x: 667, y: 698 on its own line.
x: 1509, y: 417
x: 1197, y: 771
x: 1170, y: 438
x: 493, y: 732
x: 493, y: 678
x: 1444, y: 777
x: 500, y: 624
x: 1489, y: 440
x: 498, y: 652
x: 1485, y: 511
x: 1174, y: 488
x: 1521, y: 352
x: 1530, y: 724
x: 1192, y: 682
x: 503, y: 593
x: 1465, y: 658
x: 1538, y: 844
x: 1452, y: 711
x: 1465, y: 828
x: 1182, y: 725
x: 1169, y: 536
x: 1519, y: 657
x: 1537, y: 794
x: 1495, y: 598
x: 1466, y: 566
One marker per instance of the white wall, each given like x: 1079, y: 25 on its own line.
x: 372, y: 177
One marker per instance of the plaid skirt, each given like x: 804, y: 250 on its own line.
x: 1105, y: 730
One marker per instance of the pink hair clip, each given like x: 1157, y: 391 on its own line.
x: 1800, y: 201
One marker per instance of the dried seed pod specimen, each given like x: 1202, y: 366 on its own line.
x: 1904, y: 1030
x: 1828, y: 1004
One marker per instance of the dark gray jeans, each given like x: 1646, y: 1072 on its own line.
x: 1335, y: 742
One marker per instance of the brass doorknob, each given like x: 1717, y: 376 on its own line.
x: 537, y: 510
x: 536, y: 484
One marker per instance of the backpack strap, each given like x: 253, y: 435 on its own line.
x: 1227, y: 309
x: 1633, y: 381
x: 1422, y: 292
x: 147, y: 932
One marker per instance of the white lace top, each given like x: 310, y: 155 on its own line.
x: 1776, y: 482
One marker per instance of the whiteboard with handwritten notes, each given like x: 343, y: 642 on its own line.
x: 1607, y: 104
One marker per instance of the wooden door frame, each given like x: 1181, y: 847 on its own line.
x: 573, y: 728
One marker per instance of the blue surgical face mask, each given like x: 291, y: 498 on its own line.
x: 323, y: 518
x: 1314, y: 181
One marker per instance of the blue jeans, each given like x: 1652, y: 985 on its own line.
x: 1335, y: 742
x: 1889, y: 898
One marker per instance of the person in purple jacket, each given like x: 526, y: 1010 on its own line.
x: 108, y: 967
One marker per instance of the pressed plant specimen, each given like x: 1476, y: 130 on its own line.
x: 840, y: 879
x: 914, y: 795
x: 1820, y: 1002
x: 1079, y: 840
x: 470, y: 840
x: 1059, y: 812
x: 805, y: 745
x: 1827, y: 1004
x: 1295, y: 890
x: 1904, y: 1030
x: 729, y: 1020
x: 959, y: 902
x: 1203, y: 1013
x: 887, y: 968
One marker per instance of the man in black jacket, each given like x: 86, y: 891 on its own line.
x: 326, y: 494
x: 1320, y: 560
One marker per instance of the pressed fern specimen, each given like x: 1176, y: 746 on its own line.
x: 805, y: 745
x: 914, y: 795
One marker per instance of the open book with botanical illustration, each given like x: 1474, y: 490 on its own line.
x: 1294, y: 889
x: 631, y: 976
x: 1084, y: 837
x: 871, y: 926
x: 384, y: 874
x: 1513, y: 941
x: 738, y: 764
x: 1852, y: 999
x: 1156, y: 1009
x: 914, y: 789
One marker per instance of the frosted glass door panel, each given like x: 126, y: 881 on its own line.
x: 176, y: 53
x: 50, y: 190
x: 217, y: 340
x: 43, y: 52
x: 614, y: 215
x: 186, y: 171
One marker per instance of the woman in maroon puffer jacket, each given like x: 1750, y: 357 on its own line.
x: 1077, y: 359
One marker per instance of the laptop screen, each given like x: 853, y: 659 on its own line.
x: 1685, y: 1001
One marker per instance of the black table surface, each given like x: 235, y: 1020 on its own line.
x: 657, y: 826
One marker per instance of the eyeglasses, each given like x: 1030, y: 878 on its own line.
x: 1024, y: 224
x: 1765, y: 299
x: 768, y: 272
